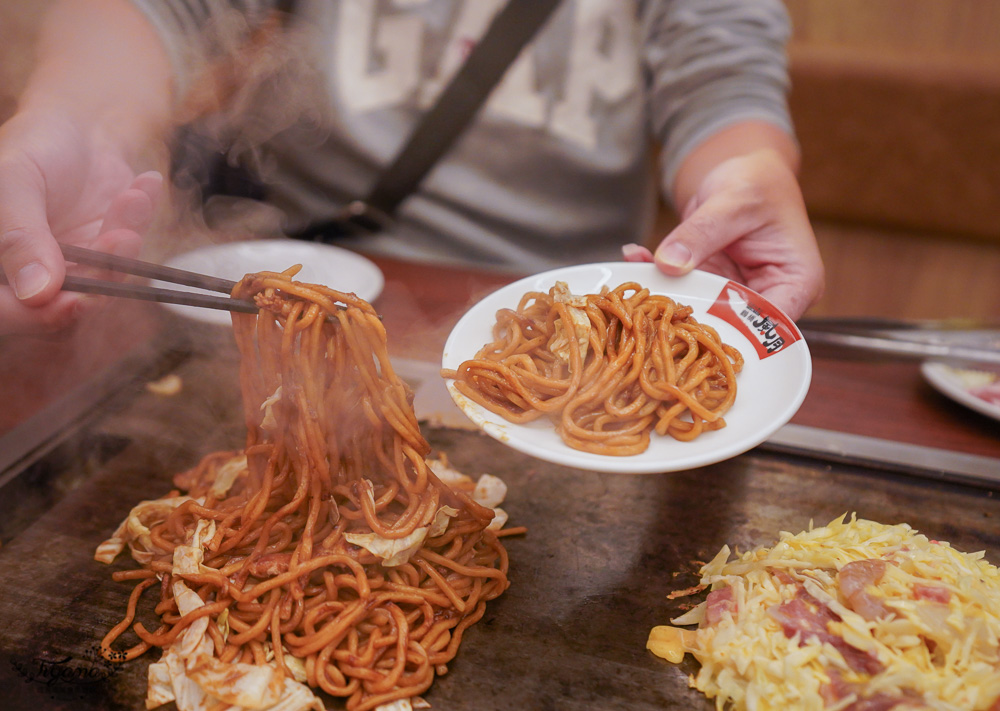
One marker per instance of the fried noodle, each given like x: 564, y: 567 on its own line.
x: 609, y: 369
x: 335, y: 461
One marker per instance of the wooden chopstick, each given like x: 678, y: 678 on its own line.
x: 111, y: 262
x: 152, y: 293
x: 143, y: 292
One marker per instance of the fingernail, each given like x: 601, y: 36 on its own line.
x: 136, y: 214
x: 675, y: 254
x: 126, y: 248
x: 633, y: 251
x: 31, y: 279
x: 84, y: 304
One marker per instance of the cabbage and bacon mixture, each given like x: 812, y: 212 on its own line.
x: 852, y: 616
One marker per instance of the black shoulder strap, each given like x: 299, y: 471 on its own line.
x: 437, y: 130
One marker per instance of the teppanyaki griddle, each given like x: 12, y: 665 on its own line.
x: 588, y: 581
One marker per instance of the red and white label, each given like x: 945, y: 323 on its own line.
x: 766, y: 327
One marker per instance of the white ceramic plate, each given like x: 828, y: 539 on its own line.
x: 771, y: 386
x: 325, y: 264
x: 955, y: 382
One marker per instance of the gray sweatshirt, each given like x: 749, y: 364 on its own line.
x: 563, y: 163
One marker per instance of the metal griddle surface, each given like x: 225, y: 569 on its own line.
x: 588, y: 581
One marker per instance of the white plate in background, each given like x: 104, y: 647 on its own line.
x: 325, y: 264
x: 955, y: 382
x: 770, y: 388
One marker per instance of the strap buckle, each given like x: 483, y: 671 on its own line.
x: 359, y: 217
x: 354, y: 219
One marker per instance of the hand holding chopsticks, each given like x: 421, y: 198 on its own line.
x: 87, y: 257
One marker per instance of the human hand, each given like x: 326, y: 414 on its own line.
x: 747, y: 221
x: 62, y: 182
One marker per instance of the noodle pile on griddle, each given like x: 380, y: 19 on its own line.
x: 609, y: 369
x: 327, y: 550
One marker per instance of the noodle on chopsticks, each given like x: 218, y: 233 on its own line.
x: 327, y: 550
x: 608, y: 369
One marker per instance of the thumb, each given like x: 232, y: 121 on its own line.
x: 704, y: 231
x: 31, y: 258
x: 673, y: 256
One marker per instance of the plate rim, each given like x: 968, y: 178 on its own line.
x: 358, y: 261
x: 945, y: 385
x: 629, y: 464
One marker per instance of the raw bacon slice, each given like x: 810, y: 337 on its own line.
x: 932, y: 593
x: 839, y: 689
x: 810, y: 618
x: 717, y: 604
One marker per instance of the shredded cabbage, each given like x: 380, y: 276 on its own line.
x: 935, y: 644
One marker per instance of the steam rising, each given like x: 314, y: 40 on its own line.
x: 260, y: 83
x: 19, y: 22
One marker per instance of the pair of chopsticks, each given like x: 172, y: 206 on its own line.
x: 135, y: 267
x: 952, y: 340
